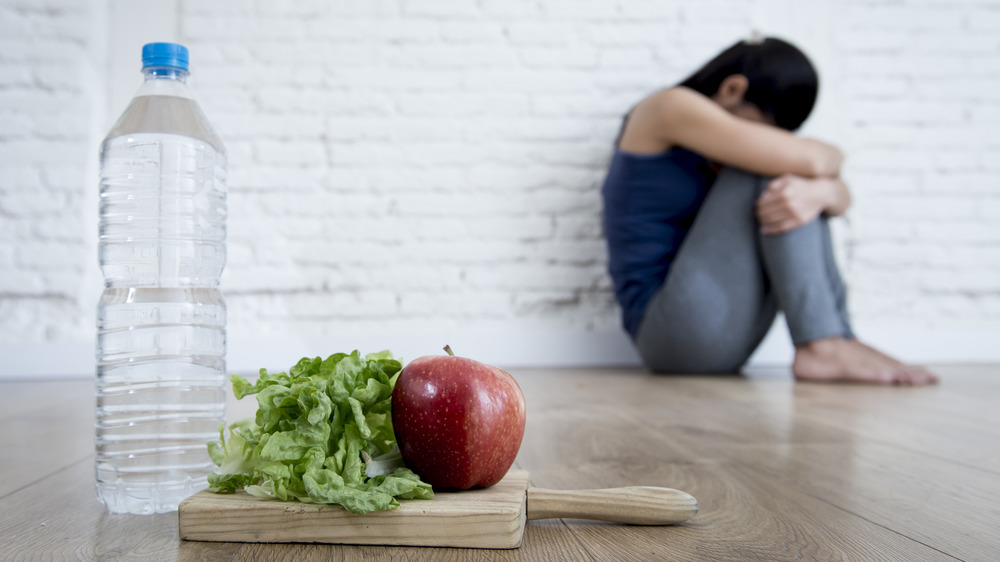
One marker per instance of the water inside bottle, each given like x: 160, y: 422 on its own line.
x: 161, y: 318
x: 160, y: 394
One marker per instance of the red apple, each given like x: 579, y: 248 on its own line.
x: 458, y: 422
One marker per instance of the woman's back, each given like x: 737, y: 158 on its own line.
x: 649, y: 204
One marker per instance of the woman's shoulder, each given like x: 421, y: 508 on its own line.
x: 676, y: 99
x: 658, y: 122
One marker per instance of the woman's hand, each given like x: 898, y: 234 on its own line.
x: 791, y: 201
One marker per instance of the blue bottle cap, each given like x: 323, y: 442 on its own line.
x: 165, y: 54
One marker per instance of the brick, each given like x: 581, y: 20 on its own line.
x: 962, y: 232
x: 438, y: 154
x: 559, y: 57
x: 63, y: 283
x: 291, y: 179
x: 578, y: 152
x: 523, y: 9
x: 617, y: 33
x: 301, y: 153
x: 15, y: 75
x: 479, y: 304
x: 220, y: 26
x: 970, y: 282
x: 468, y: 251
x: 577, y: 104
x: 549, y: 80
x: 549, y: 33
x: 537, y: 128
x: 970, y: 182
x: 896, y: 111
x: 48, y: 255
x: 425, y: 277
x: 71, y: 228
x: 579, y: 227
x: 889, y: 160
x: 193, y: 9
x: 527, y: 277
x: 257, y: 279
x: 574, y: 252
x: 22, y: 318
x: 880, y: 182
x: 957, y: 43
x: 36, y: 99
x: 580, y: 9
x: 439, y: 9
x: 32, y: 203
x: 518, y: 228
x: 934, y: 208
x: 443, y: 104
x: 402, y: 79
x: 19, y: 282
x: 983, y: 64
x: 929, y: 17
x: 872, y: 228
x: 465, y: 204
x: 406, y: 179
x: 256, y: 125
x: 472, y: 32
x: 16, y: 125
x: 342, y: 305
x: 542, y: 302
x: 863, y: 40
x: 988, y: 208
x: 388, y: 9
x: 634, y: 57
x: 299, y: 8
x: 65, y: 125
x: 950, y: 161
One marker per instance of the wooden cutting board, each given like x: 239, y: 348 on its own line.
x: 492, y: 517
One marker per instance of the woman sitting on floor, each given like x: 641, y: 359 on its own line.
x: 716, y: 219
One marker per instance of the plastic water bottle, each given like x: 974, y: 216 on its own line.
x: 161, y: 319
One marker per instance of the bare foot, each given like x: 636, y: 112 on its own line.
x: 843, y: 360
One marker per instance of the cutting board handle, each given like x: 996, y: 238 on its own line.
x: 637, y: 505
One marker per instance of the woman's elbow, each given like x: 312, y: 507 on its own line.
x: 825, y: 161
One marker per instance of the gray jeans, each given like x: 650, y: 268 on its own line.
x: 728, y: 282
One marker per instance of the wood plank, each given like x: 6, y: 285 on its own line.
x: 60, y: 518
x: 894, y: 488
x: 47, y: 426
x: 746, y: 516
x: 493, y: 517
x: 543, y: 540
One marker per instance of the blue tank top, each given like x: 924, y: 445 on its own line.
x: 650, y: 202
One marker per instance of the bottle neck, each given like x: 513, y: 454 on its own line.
x: 164, y: 81
x: 165, y: 73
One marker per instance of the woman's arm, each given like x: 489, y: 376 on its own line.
x: 682, y: 117
x: 791, y: 201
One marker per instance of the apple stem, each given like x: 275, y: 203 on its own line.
x: 448, y: 350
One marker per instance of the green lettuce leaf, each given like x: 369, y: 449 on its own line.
x: 316, y: 428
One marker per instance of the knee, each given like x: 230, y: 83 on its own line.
x: 741, y: 179
x: 738, y: 188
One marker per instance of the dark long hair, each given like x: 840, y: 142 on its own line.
x: 782, y: 82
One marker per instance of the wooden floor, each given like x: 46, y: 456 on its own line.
x: 782, y: 471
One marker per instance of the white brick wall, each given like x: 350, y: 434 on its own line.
x: 50, y: 74
x: 411, y: 173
